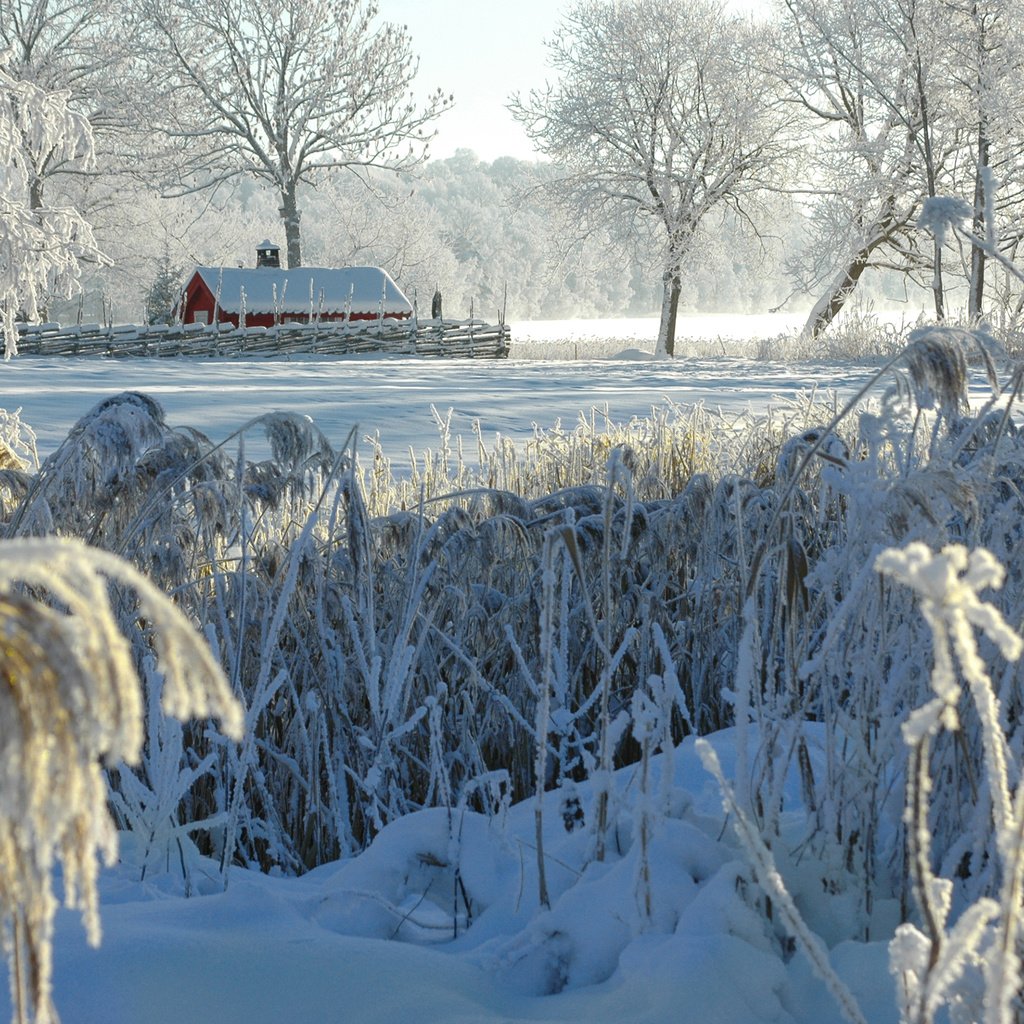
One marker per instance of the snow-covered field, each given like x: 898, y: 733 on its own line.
x: 440, y: 921
x: 393, y: 397
x: 385, y: 937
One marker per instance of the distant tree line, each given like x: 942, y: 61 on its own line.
x: 480, y: 231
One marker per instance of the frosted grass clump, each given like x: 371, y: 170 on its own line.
x: 70, y: 701
x: 929, y: 962
x: 948, y: 584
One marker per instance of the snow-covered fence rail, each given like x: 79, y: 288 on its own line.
x: 443, y: 338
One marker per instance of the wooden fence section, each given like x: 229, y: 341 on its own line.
x: 472, y: 339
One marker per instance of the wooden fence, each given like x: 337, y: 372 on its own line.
x: 472, y: 339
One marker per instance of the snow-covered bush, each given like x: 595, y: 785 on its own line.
x: 389, y: 661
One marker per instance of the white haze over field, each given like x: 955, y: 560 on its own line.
x: 644, y: 329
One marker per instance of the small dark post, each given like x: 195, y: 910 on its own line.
x: 435, y: 304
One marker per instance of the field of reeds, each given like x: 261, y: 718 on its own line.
x: 517, y: 619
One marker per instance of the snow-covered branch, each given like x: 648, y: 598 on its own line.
x: 41, y: 247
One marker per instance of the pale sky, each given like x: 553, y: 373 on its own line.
x: 483, y: 50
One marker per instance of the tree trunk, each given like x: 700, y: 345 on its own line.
x: 290, y: 216
x: 982, y: 229
x: 938, y: 290
x: 983, y: 226
x: 671, y: 287
x: 827, y: 308
x: 35, y: 202
x: 928, y: 153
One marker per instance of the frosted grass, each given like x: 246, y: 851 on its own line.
x: 462, y: 680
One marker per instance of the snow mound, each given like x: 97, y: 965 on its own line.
x: 440, y: 920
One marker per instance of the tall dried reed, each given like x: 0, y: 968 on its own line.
x: 69, y: 701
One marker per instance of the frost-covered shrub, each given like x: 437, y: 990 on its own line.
x: 393, y: 640
x: 388, y: 658
x: 933, y: 843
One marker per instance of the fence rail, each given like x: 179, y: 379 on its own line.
x: 438, y: 338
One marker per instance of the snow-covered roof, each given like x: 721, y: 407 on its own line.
x: 325, y: 289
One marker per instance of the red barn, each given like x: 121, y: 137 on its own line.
x: 266, y: 294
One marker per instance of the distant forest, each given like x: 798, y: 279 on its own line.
x: 481, y: 232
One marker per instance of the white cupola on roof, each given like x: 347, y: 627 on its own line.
x: 268, y: 254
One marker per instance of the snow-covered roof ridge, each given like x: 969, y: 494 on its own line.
x: 295, y: 290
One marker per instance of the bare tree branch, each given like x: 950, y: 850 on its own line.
x: 284, y: 90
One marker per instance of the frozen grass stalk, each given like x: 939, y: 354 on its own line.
x: 71, y: 700
x: 927, y: 967
x: 547, y: 629
x: 771, y: 881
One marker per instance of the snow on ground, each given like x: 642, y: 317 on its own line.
x: 392, y: 935
x: 387, y: 936
x: 394, y: 396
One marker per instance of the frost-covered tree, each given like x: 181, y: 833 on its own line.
x: 846, y: 75
x: 904, y: 99
x: 986, y: 40
x: 41, y: 247
x: 660, y: 113
x: 282, y: 90
x: 84, y: 49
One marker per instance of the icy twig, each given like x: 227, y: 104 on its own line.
x: 927, y: 967
x: 771, y: 881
